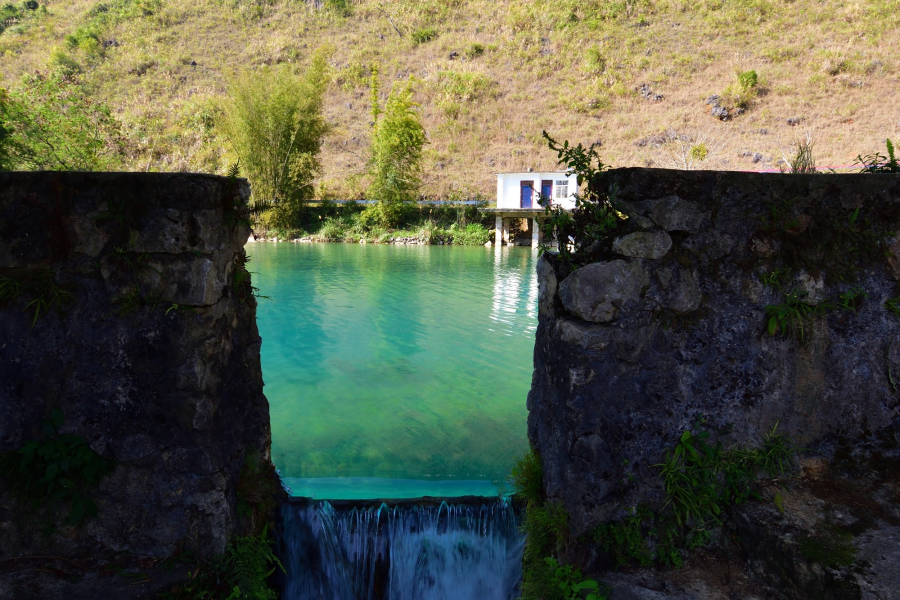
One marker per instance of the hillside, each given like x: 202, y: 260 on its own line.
x: 492, y: 75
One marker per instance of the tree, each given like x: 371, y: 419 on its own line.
x: 273, y: 122
x: 48, y: 123
x: 397, y: 142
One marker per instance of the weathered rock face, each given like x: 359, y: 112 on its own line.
x: 154, y: 360
x: 636, y: 349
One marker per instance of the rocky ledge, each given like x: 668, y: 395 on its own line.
x: 731, y: 306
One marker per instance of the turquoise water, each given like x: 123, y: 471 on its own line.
x: 395, y: 371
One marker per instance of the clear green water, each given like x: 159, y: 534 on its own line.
x: 402, y: 370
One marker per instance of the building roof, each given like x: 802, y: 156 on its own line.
x: 535, y: 173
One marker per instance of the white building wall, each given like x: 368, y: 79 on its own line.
x: 509, y: 188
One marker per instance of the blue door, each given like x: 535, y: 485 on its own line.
x: 547, y: 189
x: 527, y: 190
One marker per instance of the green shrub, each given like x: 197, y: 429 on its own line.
x: 474, y: 49
x: 425, y: 35
x: 742, y: 93
x: 333, y: 230
x: 528, y: 478
x: 474, y: 234
x: 343, y: 8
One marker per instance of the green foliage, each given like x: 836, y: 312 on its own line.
x: 594, y: 61
x: 742, y: 92
x: 10, y: 14
x: 569, y: 580
x: 748, y: 79
x: 699, y: 151
x: 459, y: 89
x: 343, y: 8
x: 528, y: 478
x: 473, y: 234
x: 40, y: 289
x: 878, y: 163
x: 241, y: 573
x: 89, y: 34
x: 831, y: 547
x: 474, y: 50
x: 595, y: 218
x: 241, y: 283
x: 777, y: 279
x: 789, y: 316
x: 891, y: 304
x: 424, y: 35
x: 700, y: 480
x: 625, y: 539
x: 52, y: 124
x: 58, y: 471
x: 852, y: 298
x: 545, y: 526
x: 397, y: 142
x: 274, y: 124
x: 792, y: 314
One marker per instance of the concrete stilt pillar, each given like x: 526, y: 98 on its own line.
x: 498, y: 233
x: 506, y: 231
x: 535, y: 233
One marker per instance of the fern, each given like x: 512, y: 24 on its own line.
x: 241, y: 573
x: 246, y: 566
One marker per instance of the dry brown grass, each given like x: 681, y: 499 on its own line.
x: 830, y: 63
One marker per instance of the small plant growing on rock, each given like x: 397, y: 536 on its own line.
x: 590, y: 226
x: 40, y: 289
x: 790, y: 315
x: 573, y: 585
x: 57, y: 472
x: 241, y: 573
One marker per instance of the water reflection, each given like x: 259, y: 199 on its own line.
x: 515, y: 292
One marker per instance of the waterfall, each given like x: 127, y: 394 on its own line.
x: 436, y: 552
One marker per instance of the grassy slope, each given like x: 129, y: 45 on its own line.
x: 832, y: 63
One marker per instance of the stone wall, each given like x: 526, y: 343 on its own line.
x: 671, y: 329
x: 152, y: 354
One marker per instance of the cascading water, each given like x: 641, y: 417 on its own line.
x: 437, y: 552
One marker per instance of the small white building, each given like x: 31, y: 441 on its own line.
x: 522, y: 190
x: 518, y: 195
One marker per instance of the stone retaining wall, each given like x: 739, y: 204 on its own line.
x: 152, y: 354
x: 672, y: 330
